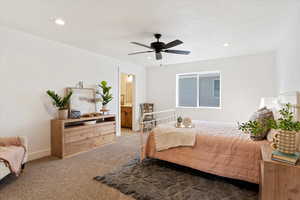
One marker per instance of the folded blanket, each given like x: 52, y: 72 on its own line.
x: 12, y: 153
x: 167, y: 137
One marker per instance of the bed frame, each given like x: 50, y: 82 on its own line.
x: 146, y: 126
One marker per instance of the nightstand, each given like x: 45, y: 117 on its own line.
x: 279, y: 181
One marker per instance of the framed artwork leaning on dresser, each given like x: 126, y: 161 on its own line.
x: 83, y: 100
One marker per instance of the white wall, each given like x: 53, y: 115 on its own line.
x: 244, y: 80
x: 288, y: 56
x: 30, y: 65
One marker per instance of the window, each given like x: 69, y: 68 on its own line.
x: 198, y: 90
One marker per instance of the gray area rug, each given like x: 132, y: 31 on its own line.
x: 159, y: 180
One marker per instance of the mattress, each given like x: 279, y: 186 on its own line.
x: 220, y: 149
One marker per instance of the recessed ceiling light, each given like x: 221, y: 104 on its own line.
x: 226, y: 44
x: 149, y: 57
x: 59, y: 22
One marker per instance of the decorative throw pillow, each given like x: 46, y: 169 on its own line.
x: 263, y: 115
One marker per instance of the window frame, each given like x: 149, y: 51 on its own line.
x: 198, y: 98
x: 213, y: 89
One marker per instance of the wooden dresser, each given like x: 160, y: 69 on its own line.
x: 72, y: 136
x: 279, y: 181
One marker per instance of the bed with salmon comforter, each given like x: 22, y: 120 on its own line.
x: 220, y: 149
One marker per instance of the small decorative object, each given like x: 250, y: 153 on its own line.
x: 187, y: 122
x: 105, y: 95
x: 259, y: 124
x: 75, y: 114
x: 287, y: 127
x: 179, y: 123
x: 60, y: 103
x: 184, y: 122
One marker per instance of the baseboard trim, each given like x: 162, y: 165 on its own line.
x: 38, y: 154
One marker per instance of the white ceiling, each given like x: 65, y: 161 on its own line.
x: 107, y: 26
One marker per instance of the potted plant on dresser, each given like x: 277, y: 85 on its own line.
x: 287, y: 129
x: 61, y: 103
x: 105, y: 94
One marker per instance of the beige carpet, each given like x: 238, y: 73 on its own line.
x: 71, y: 178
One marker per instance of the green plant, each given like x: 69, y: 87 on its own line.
x: 105, y: 94
x: 59, y: 102
x: 286, y: 122
x: 179, y: 119
x: 254, y: 127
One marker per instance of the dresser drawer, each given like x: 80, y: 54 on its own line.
x: 69, y: 132
x: 81, y: 146
x: 77, y: 135
x: 87, y: 144
x: 103, y: 130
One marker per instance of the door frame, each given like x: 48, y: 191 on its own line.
x: 134, y: 105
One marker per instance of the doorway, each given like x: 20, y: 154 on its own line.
x: 127, y: 100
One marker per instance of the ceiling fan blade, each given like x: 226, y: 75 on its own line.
x: 140, y: 52
x: 172, y: 44
x: 143, y: 45
x: 158, y: 56
x: 177, y: 52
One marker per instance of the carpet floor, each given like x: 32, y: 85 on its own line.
x: 72, y: 178
x: 156, y: 180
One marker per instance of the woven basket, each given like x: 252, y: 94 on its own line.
x: 285, y: 141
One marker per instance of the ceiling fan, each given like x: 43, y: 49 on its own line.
x: 159, y: 47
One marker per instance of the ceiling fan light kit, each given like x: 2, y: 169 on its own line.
x: 158, y: 47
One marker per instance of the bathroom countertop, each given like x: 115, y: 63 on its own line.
x: 126, y: 105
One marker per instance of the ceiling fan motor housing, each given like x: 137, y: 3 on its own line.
x: 157, y: 46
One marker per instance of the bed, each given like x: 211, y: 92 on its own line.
x: 220, y: 148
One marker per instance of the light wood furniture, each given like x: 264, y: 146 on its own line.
x: 72, y: 136
x: 279, y: 181
x: 126, y: 116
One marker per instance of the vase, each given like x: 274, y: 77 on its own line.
x: 104, y: 107
x: 63, y: 114
x: 285, y: 142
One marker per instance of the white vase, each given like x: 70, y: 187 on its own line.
x: 104, y: 107
x: 63, y: 114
